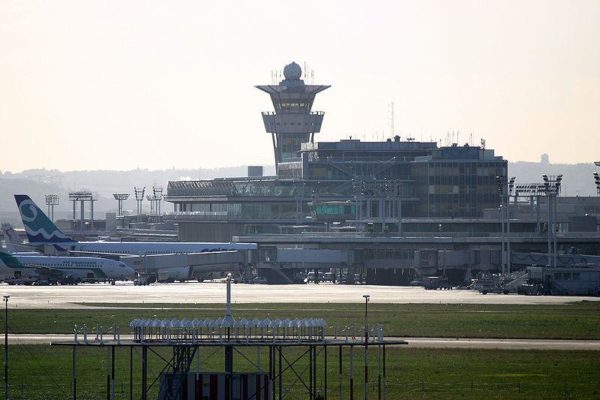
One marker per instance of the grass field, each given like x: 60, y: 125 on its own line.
x: 44, y: 372
x: 569, y: 321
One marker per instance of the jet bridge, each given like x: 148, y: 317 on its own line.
x: 562, y: 260
x: 197, y: 263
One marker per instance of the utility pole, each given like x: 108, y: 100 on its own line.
x: 6, y: 297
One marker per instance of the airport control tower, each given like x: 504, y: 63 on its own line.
x: 292, y: 123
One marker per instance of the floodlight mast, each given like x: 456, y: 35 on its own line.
x: 139, y: 198
x: 120, y: 197
x: 82, y: 196
x: 552, y: 186
x: 151, y: 200
x: 155, y: 198
x: 505, y: 190
x: 51, y: 201
x: 158, y: 196
x: 511, y: 186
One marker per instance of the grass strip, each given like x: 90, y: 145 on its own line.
x: 567, y: 321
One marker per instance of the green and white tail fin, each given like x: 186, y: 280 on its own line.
x: 39, y: 228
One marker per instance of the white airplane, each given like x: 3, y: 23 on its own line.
x: 17, y: 268
x: 41, y: 231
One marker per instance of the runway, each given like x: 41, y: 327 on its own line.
x: 77, y: 296
x: 417, y: 342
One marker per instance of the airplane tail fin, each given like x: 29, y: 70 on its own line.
x: 10, y: 234
x: 10, y: 237
x: 39, y: 228
x: 8, y: 261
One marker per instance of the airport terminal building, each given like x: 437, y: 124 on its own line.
x: 390, y: 209
x: 372, y: 182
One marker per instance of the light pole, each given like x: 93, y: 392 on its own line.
x: 366, y: 297
x: 505, y: 188
x: 6, y: 297
x: 51, y: 201
x: 501, y: 184
x: 511, y: 185
x: 139, y: 198
x: 501, y: 209
x: 557, y: 184
x: 552, y: 189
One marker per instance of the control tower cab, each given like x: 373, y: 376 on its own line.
x: 292, y: 123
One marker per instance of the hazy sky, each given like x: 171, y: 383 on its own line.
x: 156, y: 84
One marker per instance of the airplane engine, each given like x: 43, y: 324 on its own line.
x: 174, y: 274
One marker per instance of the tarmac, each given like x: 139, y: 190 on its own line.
x: 92, y: 295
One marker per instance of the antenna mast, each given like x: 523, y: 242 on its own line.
x: 392, y: 119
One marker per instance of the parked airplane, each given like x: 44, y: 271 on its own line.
x: 41, y: 230
x: 16, y: 268
x: 13, y: 242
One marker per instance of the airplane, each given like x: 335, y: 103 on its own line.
x: 13, y: 242
x: 27, y: 269
x: 41, y: 231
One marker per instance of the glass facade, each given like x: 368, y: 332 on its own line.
x: 458, y: 182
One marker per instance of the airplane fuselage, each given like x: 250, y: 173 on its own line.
x: 149, y: 248
x: 78, y: 268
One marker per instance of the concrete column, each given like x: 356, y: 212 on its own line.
x: 81, y: 222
